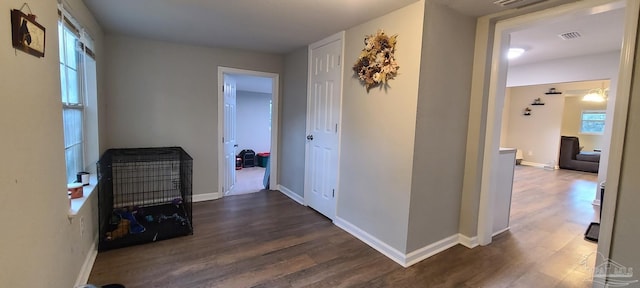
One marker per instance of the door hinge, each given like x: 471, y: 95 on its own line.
x: 223, y: 88
x: 336, y: 127
x: 334, y: 193
x: 339, y: 57
x: 222, y: 139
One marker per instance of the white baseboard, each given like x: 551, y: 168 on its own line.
x: 403, y: 259
x: 205, y: 197
x: 372, y: 241
x: 85, y: 270
x: 294, y: 196
x: 498, y: 232
x: 533, y: 164
x: 469, y: 242
x: 430, y: 250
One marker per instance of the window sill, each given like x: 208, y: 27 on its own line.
x: 592, y: 133
x: 78, y: 203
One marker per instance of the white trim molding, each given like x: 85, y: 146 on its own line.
x: 85, y: 270
x: 488, y: 85
x: 539, y: 165
x: 469, y: 242
x: 275, y: 120
x: 533, y: 164
x: 289, y: 193
x: 430, y: 250
x: 405, y: 259
x: 499, y: 232
x: 205, y: 197
x: 619, y: 127
x: 372, y: 241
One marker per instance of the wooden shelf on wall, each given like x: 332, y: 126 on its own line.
x: 552, y: 91
x: 537, y: 101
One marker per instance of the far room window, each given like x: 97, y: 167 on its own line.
x: 78, y: 87
x: 592, y: 122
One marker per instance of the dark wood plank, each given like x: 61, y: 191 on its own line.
x: 267, y: 240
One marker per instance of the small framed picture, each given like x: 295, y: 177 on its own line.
x: 26, y: 34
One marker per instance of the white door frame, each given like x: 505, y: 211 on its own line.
x: 338, y: 36
x: 275, y: 122
x: 495, y: 95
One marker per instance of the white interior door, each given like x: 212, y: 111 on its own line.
x: 229, y: 134
x: 323, y: 117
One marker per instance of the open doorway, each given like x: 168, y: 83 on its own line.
x: 548, y: 115
x: 558, y: 150
x: 253, y: 132
x: 247, y: 130
x: 495, y: 86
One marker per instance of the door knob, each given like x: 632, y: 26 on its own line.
x: 309, y: 137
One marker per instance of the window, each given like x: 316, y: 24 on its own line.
x: 77, y: 84
x: 592, y: 122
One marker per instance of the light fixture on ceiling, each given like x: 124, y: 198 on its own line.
x: 596, y: 95
x: 515, y: 53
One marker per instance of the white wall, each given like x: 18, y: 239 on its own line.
x: 582, y: 68
x: 505, y: 118
x: 165, y: 94
x: 40, y: 245
x: 537, y: 135
x: 571, y: 122
x: 378, y: 131
x: 253, y: 121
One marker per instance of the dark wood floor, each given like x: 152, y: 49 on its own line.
x: 267, y: 240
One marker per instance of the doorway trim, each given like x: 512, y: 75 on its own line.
x: 489, y: 91
x: 275, y: 122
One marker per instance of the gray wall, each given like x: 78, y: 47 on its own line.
x: 41, y: 246
x: 378, y: 129
x: 293, y: 115
x: 441, y: 128
x: 253, y: 124
x: 165, y: 94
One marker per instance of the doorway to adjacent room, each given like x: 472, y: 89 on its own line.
x: 247, y: 130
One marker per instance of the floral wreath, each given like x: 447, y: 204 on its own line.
x: 376, y: 63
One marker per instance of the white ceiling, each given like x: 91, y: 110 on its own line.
x: 482, y: 7
x: 277, y: 26
x: 601, y: 32
x: 280, y: 26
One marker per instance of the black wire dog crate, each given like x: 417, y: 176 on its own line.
x: 144, y: 195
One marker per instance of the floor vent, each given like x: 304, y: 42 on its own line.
x: 570, y: 35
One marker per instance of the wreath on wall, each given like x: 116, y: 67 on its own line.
x: 377, y: 64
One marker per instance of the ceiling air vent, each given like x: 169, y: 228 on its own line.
x: 505, y: 3
x: 570, y: 35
